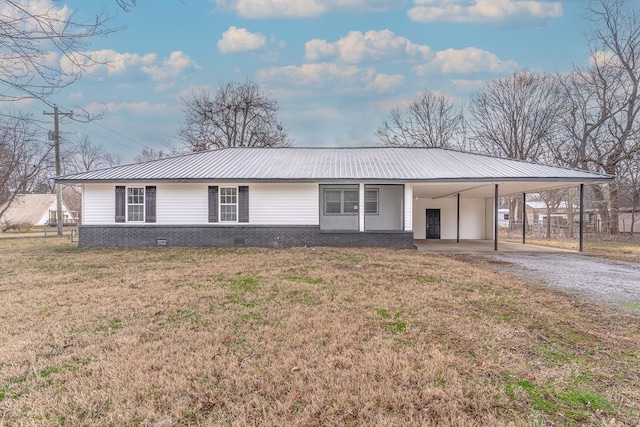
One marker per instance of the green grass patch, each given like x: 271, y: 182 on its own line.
x: 397, y: 326
x: 384, y: 313
x: 113, y: 326
x: 573, y: 403
x: 632, y: 305
x: 304, y: 279
x: 427, y: 279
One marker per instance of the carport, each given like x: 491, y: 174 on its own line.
x: 456, y: 211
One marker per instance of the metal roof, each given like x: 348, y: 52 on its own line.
x: 29, y: 208
x: 334, y: 164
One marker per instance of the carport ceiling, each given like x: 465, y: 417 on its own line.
x: 483, y: 190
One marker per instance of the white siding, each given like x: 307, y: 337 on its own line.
x: 284, y: 204
x: 98, y: 204
x: 472, y: 217
x: 182, y: 204
x: 269, y: 204
x: 408, y: 208
x: 490, y: 212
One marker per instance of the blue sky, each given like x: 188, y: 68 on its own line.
x: 336, y: 67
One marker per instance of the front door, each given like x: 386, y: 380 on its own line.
x: 433, y: 223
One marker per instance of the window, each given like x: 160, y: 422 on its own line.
x: 332, y: 201
x: 371, y: 201
x: 228, y: 204
x: 340, y: 202
x: 135, y: 204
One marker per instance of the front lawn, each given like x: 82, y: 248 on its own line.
x: 301, y: 336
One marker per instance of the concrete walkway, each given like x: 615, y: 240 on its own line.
x: 475, y: 246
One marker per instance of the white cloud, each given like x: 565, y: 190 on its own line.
x: 22, y: 15
x: 603, y: 58
x: 172, y: 67
x: 240, y: 40
x: 329, y: 75
x: 106, y: 60
x: 483, y: 10
x: 468, y: 60
x: 357, y: 47
x: 110, y: 62
x: 274, y: 8
x: 385, y: 82
x: 253, y: 9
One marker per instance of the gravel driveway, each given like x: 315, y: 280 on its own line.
x: 615, y: 283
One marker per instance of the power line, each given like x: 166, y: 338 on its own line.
x: 108, y: 137
x: 56, y: 136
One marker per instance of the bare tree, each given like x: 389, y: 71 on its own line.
x: 432, y: 120
x: 630, y: 189
x: 237, y: 115
x: 33, y: 34
x: 603, y: 123
x: 149, y: 154
x: 22, y: 157
x: 517, y: 116
x: 85, y: 156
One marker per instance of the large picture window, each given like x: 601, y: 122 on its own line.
x: 228, y: 204
x: 135, y: 204
x: 340, y: 201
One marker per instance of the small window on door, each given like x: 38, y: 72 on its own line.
x: 371, y: 201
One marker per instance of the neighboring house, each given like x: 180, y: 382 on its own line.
x: 627, y: 219
x: 375, y: 196
x: 537, y: 212
x: 35, y: 209
x: 503, y: 217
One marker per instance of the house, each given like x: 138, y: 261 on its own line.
x: 537, y: 212
x: 36, y: 209
x: 503, y: 217
x: 372, y: 196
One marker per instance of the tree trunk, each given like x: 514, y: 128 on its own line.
x: 602, y: 206
x: 614, y: 203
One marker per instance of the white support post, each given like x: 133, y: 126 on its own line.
x: 361, y: 207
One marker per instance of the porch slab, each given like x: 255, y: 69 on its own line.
x: 473, y: 246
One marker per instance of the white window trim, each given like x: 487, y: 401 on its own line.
x: 342, y: 191
x: 220, y: 204
x: 127, y: 204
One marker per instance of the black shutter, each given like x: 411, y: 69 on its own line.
x: 243, y: 203
x: 120, y: 203
x: 150, y: 204
x: 213, y: 203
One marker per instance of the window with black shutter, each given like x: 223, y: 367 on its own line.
x: 150, y: 204
x: 120, y: 203
x: 213, y: 203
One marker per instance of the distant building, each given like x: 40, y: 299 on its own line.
x: 36, y: 210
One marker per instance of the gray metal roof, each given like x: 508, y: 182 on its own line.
x: 334, y: 164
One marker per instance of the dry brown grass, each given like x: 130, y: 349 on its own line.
x: 615, y: 250
x: 300, y: 337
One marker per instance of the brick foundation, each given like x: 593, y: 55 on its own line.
x: 230, y: 236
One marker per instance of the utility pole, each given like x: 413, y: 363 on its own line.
x: 56, y: 138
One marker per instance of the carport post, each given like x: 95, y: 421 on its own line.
x: 495, y: 220
x: 581, y: 232
x: 458, y: 223
x: 524, y: 218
